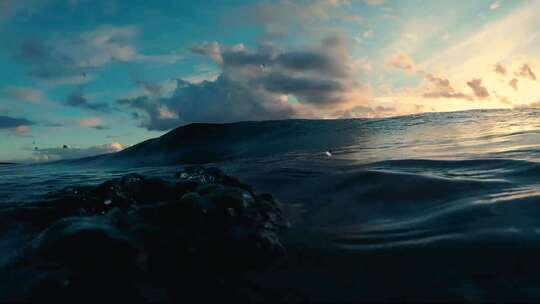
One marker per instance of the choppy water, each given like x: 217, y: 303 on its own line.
x: 455, y: 197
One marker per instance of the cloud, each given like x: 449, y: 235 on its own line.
x: 92, y: 122
x: 101, y: 128
x: 478, y: 89
x: 441, y: 88
x: 525, y: 72
x: 78, y: 100
x: 533, y: 105
x: 513, y: 83
x: 22, y: 130
x: 7, y: 122
x: 402, y: 61
x: 24, y: 94
x: 366, y: 112
x: 208, y: 49
x: 500, y: 69
x: 495, y: 5
x: 507, y: 37
x: 52, y: 154
x: 267, y: 83
x: 152, y: 88
x: 222, y: 100
x: 75, y: 59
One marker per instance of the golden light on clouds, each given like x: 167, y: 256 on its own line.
x: 494, y: 67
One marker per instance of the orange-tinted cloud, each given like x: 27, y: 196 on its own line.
x: 479, y: 90
x: 513, y: 83
x: 533, y: 105
x: 525, y: 72
x: 441, y: 88
x: 402, y: 61
x: 499, y: 69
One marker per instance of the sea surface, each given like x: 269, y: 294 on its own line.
x: 428, y: 206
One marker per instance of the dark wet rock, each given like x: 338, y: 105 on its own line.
x: 86, y: 244
x: 195, y: 233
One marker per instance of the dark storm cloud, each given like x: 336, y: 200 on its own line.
x: 253, y: 85
x: 7, y: 122
x: 78, y: 100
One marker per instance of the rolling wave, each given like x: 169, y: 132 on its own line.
x: 452, y: 197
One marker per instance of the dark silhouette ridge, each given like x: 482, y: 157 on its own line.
x: 198, y: 143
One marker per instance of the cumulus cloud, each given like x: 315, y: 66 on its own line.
x: 78, y: 100
x: 222, y: 100
x: 52, y: 154
x: 479, y: 90
x: 402, y: 61
x: 441, y: 88
x: 257, y: 84
x: 23, y: 93
x: 525, y: 72
x: 500, y: 69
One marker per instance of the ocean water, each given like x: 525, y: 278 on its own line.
x: 428, y: 206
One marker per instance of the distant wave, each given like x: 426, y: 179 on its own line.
x: 425, y: 203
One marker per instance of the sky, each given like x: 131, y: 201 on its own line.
x: 84, y: 77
